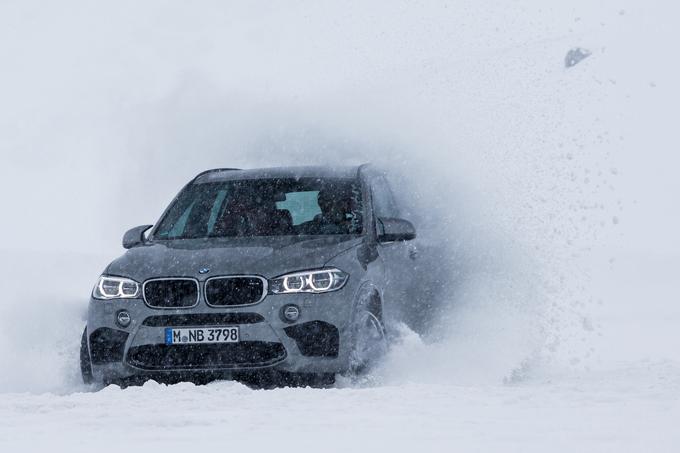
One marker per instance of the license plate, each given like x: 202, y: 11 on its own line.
x: 202, y: 335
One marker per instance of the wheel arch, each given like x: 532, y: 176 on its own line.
x: 371, y: 293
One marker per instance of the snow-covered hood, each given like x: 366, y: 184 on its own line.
x: 266, y: 256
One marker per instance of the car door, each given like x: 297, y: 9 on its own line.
x: 397, y: 256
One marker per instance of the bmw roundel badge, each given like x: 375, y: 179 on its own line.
x: 203, y: 270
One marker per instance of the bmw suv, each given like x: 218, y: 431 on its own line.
x: 284, y: 270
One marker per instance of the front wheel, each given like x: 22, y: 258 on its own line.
x: 369, y: 342
x: 85, y: 363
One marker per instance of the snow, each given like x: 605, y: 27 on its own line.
x: 552, y: 190
x: 624, y: 409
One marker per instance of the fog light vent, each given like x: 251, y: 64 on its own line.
x: 123, y: 318
x: 290, y: 313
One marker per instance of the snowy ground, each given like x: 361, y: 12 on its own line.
x: 554, y: 189
x: 624, y: 409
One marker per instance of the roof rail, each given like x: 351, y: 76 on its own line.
x: 214, y: 170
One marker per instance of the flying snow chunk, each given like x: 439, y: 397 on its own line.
x: 575, y: 55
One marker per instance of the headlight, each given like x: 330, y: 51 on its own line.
x: 115, y: 288
x: 321, y: 281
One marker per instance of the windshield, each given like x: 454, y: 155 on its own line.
x: 264, y: 207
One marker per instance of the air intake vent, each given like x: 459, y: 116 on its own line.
x: 245, y: 354
x: 237, y: 290
x: 203, y: 319
x: 171, y: 292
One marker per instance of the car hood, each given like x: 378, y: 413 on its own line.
x: 266, y: 256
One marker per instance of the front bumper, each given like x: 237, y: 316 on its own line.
x: 316, y: 343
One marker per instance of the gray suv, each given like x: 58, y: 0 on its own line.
x: 284, y: 271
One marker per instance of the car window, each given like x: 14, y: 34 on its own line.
x: 215, y: 210
x: 264, y: 207
x: 180, y: 224
x: 302, y: 206
x: 383, y: 201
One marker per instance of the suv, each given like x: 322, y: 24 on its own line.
x: 291, y: 271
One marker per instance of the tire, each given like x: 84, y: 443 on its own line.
x: 85, y: 363
x: 368, y: 337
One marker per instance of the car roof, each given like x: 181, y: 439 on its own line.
x: 234, y: 174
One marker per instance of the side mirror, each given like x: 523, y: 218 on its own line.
x: 135, y: 236
x: 391, y: 229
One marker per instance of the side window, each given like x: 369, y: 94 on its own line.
x: 180, y: 225
x: 303, y: 206
x: 383, y: 201
x: 216, y: 209
x: 196, y: 214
